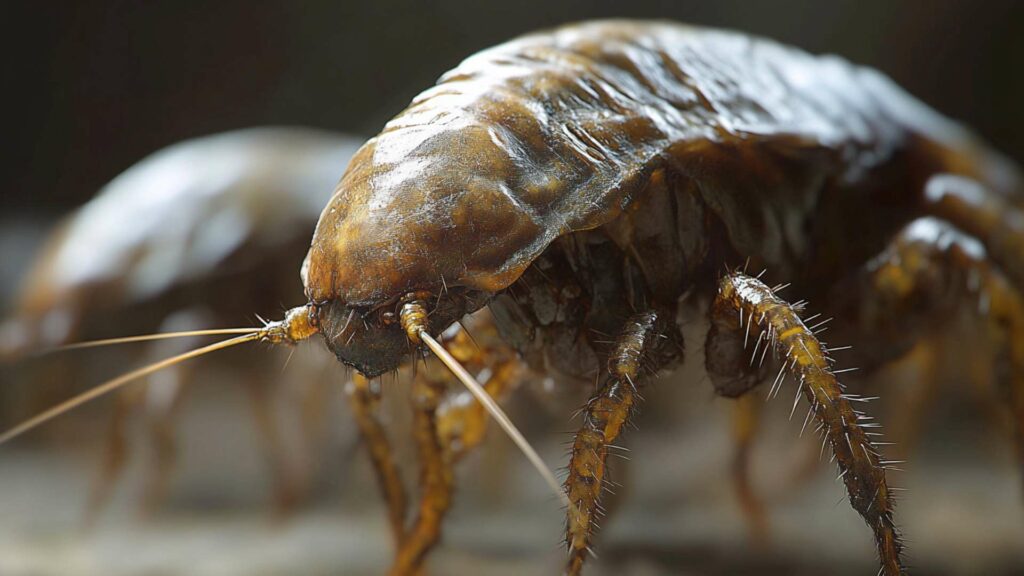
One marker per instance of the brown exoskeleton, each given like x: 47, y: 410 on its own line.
x: 164, y: 246
x: 579, y: 182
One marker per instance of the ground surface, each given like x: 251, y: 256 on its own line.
x: 675, y: 513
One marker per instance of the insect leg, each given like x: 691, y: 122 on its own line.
x: 643, y: 342
x: 448, y: 425
x: 914, y: 398
x: 746, y: 414
x: 461, y: 420
x: 729, y: 366
x: 286, y: 485
x: 985, y: 215
x: 804, y: 358
x: 435, y: 481
x: 114, y: 457
x: 930, y: 269
x: 364, y: 397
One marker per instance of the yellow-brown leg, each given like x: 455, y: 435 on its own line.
x: 462, y: 421
x: 992, y: 218
x: 930, y: 270
x: 364, y: 397
x: 459, y: 424
x: 435, y: 479
x: 746, y: 414
x: 910, y: 404
x: 645, y: 342
x: 734, y: 372
x: 804, y: 358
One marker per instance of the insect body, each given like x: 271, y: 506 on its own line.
x: 581, y: 181
x: 575, y: 178
x: 171, y: 240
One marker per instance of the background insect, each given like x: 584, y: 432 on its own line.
x: 691, y: 344
x: 166, y: 247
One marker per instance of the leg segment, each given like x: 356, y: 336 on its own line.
x: 983, y: 214
x: 734, y: 372
x: 803, y: 356
x: 114, y: 457
x: 364, y: 398
x: 745, y: 416
x: 448, y: 426
x: 435, y: 480
x: 929, y: 270
x: 645, y: 342
x: 461, y: 420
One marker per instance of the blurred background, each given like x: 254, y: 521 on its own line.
x: 95, y: 87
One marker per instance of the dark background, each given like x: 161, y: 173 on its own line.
x: 92, y: 87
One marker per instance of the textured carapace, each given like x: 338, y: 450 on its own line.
x: 220, y: 208
x: 562, y: 131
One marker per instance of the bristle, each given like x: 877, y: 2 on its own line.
x: 120, y: 381
x: 496, y: 412
x: 148, y: 338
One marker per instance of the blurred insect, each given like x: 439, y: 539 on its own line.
x: 580, y: 182
x: 165, y: 246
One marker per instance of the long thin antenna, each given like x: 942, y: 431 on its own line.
x: 120, y: 381
x: 149, y: 337
x: 499, y: 415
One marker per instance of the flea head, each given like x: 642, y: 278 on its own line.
x: 414, y: 212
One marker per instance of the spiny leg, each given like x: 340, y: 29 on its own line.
x: 435, y: 480
x: 803, y: 356
x: 644, y: 343
x: 364, y: 398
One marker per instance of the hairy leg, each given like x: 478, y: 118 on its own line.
x: 364, y: 397
x: 645, y: 342
x: 803, y: 356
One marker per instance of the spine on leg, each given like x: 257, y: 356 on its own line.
x: 861, y: 466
